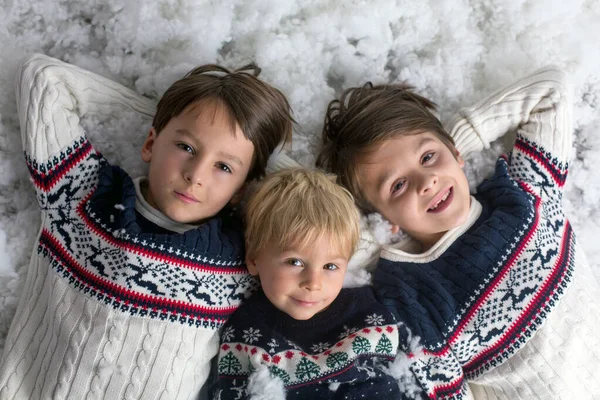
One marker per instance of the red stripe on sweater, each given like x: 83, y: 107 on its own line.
x: 536, y: 304
x: 86, y: 277
x: 491, y: 288
x: 46, y: 181
x: 155, y: 255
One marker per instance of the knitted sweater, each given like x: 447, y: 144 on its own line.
x: 111, y: 308
x: 507, y: 301
x: 340, y: 353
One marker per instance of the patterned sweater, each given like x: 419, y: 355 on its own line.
x: 111, y: 308
x: 341, y: 353
x: 505, y: 305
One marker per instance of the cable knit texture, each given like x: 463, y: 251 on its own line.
x: 109, y: 310
x: 508, y: 309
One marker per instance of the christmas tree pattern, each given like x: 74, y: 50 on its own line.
x: 336, y: 359
x: 361, y: 345
x: 230, y: 365
x: 307, y: 370
x: 384, y: 345
x: 280, y: 373
x: 295, y: 366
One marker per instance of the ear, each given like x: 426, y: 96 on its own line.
x: 147, y: 146
x: 461, y: 161
x: 395, y: 229
x: 238, y: 195
x: 251, y: 265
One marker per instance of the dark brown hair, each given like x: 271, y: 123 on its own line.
x: 262, y: 112
x: 362, y: 119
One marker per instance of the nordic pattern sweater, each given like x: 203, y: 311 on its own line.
x: 505, y: 305
x: 109, y: 309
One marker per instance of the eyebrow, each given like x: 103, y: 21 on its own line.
x: 387, y: 174
x: 221, y: 153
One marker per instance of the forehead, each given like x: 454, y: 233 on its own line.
x: 317, y: 243
x: 396, y: 150
x: 212, y: 112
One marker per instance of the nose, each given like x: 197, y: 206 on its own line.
x: 311, y: 279
x: 427, y: 183
x: 195, y: 172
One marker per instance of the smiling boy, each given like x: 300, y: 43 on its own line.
x: 494, y: 284
x: 302, y: 336
x: 132, y: 278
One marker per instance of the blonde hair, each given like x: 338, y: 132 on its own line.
x: 297, y: 206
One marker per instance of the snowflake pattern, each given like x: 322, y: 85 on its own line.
x: 272, y: 344
x: 374, y: 319
x: 228, y: 334
x: 320, y: 347
x: 251, y: 335
x: 347, y: 332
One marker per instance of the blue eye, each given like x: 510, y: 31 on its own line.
x: 427, y: 158
x: 330, y: 267
x: 186, y: 148
x: 294, y: 262
x: 224, y: 168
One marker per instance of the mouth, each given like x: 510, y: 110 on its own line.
x: 305, y: 303
x: 186, y: 198
x: 442, y: 201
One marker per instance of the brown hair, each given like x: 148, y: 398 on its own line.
x: 295, y: 207
x: 363, y: 118
x: 262, y: 112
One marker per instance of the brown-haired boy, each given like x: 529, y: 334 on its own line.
x: 494, y: 284
x: 132, y: 278
x: 302, y: 336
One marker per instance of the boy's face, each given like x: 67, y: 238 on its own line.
x: 418, y: 184
x: 197, y: 164
x: 301, y: 281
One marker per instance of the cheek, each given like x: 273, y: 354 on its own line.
x: 275, y: 285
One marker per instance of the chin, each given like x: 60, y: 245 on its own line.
x: 302, y: 317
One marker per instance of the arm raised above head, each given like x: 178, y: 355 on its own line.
x: 52, y: 96
x: 538, y: 106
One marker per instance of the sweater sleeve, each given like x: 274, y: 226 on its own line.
x: 537, y: 106
x: 51, y: 97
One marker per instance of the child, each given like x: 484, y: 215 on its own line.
x: 132, y: 278
x: 302, y: 329
x: 494, y: 284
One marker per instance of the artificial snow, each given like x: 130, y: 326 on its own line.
x: 453, y: 51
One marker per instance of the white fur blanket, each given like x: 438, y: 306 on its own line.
x: 454, y: 51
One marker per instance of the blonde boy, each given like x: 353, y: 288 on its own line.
x: 302, y: 329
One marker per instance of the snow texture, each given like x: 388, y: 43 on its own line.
x: 453, y: 51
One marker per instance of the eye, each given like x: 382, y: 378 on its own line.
x: 294, y: 262
x: 186, y: 148
x: 224, y: 168
x: 397, y: 186
x: 330, y: 267
x: 427, y: 157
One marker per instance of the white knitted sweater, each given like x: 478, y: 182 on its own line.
x: 108, y: 311
x: 557, y: 354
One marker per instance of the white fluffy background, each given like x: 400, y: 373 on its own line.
x: 454, y: 51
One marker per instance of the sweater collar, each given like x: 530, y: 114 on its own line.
x: 408, y: 249
x: 282, y: 322
x: 152, y: 214
x: 113, y: 205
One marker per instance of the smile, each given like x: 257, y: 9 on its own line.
x: 186, y: 198
x: 441, y: 201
